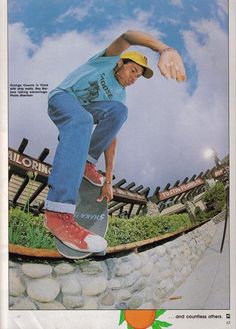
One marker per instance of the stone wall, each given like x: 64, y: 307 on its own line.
x: 135, y: 281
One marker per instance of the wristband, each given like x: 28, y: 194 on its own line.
x: 109, y: 183
x: 166, y: 49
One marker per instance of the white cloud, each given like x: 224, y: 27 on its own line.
x: 78, y: 13
x: 195, y: 8
x: 167, y: 128
x: 142, y: 16
x: 222, y: 7
x: 210, y: 56
x: 177, y: 3
x: 140, y: 21
x: 22, y: 44
x: 209, y: 104
x: 169, y: 20
x: 50, y: 63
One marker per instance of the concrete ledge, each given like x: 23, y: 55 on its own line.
x: 138, y: 280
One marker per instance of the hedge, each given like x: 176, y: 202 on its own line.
x: 28, y: 230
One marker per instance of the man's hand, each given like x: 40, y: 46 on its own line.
x: 170, y: 62
x: 107, y: 192
x: 171, y: 65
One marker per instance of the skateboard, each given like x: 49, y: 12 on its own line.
x: 90, y: 214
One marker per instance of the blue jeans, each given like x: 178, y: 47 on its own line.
x: 77, y: 144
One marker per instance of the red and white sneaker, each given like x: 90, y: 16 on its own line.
x: 92, y: 175
x: 65, y: 228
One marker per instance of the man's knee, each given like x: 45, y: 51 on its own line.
x: 124, y: 112
x: 119, y: 111
x: 84, y: 118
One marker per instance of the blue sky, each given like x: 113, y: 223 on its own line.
x: 41, y: 16
x: 167, y: 129
x: 44, y: 18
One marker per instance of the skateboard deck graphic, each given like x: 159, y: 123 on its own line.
x: 90, y: 214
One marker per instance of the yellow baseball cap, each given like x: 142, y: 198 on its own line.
x: 139, y: 59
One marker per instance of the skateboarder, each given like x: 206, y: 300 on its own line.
x: 95, y: 94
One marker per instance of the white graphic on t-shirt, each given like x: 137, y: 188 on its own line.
x: 89, y: 94
x: 104, y: 86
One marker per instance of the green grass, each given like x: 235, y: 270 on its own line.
x: 28, y: 230
x: 137, y: 228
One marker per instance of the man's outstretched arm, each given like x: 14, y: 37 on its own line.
x: 170, y: 62
x: 110, y: 153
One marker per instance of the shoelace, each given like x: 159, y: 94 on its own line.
x: 66, y: 219
x: 79, y: 232
x: 93, y: 168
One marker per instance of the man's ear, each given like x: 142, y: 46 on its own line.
x: 120, y: 63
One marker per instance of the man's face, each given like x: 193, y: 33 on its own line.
x: 128, y: 73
